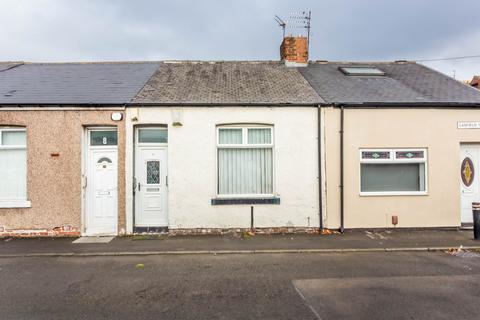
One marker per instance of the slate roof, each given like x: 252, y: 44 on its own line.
x: 73, y: 83
x: 403, y: 82
x: 227, y: 82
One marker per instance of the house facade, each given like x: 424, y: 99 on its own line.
x: 400, y: 145
x: 241, y: 149
x: 62, y: 147
x: 209, y: 147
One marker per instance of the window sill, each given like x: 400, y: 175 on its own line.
x: 15, y: 204
x: 393, y: 194
x: 235, y: 201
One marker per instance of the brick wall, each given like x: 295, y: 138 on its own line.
x: 294, y: 50
x: 62, y: 231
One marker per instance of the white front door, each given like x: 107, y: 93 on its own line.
x: 151, y: 187
x: 469, y: 179
x: 101, y: 216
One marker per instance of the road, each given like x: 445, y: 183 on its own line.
x: 405, y: 285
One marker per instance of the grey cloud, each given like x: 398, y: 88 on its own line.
x: 55, y: 30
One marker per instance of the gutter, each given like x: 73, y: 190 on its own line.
x: 415, y: 105
x: 63, y: 106
x: 373, y: 105
x: 224, y: 104
x: 139, y: 104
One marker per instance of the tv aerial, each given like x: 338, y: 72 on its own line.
x: 296, y: 20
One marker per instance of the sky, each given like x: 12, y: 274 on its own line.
x: 342, y: 30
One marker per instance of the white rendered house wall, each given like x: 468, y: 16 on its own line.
x: 192, y: 169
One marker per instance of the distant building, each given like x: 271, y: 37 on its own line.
x: 475, y: 82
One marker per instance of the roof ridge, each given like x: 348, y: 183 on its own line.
x: 362, y: 62
x: 90, y: 62
x: 141, y: 61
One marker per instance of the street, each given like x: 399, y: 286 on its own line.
x: 403, y: 285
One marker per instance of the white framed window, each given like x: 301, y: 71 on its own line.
x: 13, y: 167
x: 245, y: 161
x: 393, y: 172
x: 148, y: 135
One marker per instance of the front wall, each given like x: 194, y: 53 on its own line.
x: 434, y: 129
x: 192, y: 166
x: 54, y: 183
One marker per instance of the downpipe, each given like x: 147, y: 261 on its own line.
x: 342, y: 207
x: 320, y: 200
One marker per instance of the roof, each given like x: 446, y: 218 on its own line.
x: 227, y: 82
x: 73, y: 83
x: 403, y: 82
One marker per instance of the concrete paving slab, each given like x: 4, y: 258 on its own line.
x: 93, y: 240
x: 421, y: 297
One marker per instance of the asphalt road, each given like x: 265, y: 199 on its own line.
x: 261, y: 286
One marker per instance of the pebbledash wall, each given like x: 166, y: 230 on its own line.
x: 434, y: 129
x: 192, y: 166
x: 54, y: 169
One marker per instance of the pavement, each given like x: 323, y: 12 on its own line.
x: 350, y: 241
x: 360, y: 285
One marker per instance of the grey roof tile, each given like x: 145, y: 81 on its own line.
x: 73, y: 83
x: 404, y: 82
x: 228, y: 82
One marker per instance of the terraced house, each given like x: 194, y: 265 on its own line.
x: 195, y: 147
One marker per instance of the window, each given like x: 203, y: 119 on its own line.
x: 103, y: 138
x: 362, y: 71
x: 393, y: 172
x: 245, y: 161
x: 13, y: 167
x: 153, y: 172
x: 153, y: 135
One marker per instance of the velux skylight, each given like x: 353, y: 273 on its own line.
x: 362, y: 71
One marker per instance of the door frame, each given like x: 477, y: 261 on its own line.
x: 84, y: 174
x: 136, y: 146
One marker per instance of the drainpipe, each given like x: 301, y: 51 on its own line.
x: 320, y: 200
x: 341, y: 171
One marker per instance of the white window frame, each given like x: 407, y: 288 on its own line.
x: 245, y: 145
x: 393, y: 160
x: 20, y: 202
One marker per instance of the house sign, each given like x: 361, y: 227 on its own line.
x: 468, y: 125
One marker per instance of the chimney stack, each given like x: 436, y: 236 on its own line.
x: 294, y: 51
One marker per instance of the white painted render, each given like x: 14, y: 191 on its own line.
x: 192, y: 165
